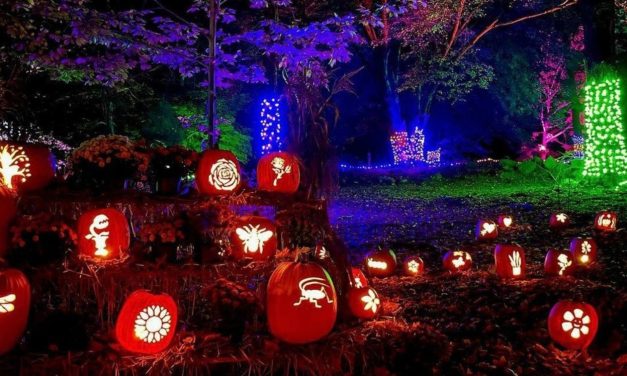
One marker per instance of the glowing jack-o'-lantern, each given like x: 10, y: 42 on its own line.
x: 14, y: 307
x: 301, y: 302
x: 413, y: 266
x: 321, y: 252
x: 573, y: 324
x: 364, y: 302
x: 505, y: 221
x: 103, y: 235
x: 359, y: 278
x: 584, y: 250
x: 510, y: 261
x: 606, y: 221
x: 278, y: 172
x: 486, y: 230
x: 457, y: 261
x: 253, y: 237
x: 218, y: 173
x: 558, y: 262
x: 559, y: 221
x: 380, y: 263
x: 25, y: 167
x: 147, y: 322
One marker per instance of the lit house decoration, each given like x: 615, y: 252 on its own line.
x: 26, y: 167
x: 559, y: 221
x: 301, y: 302
x: 457, y: 261
x: 381, y: 263
x: 253, y: 237
x: 558, y: 262
x: 505, y: 221
x: 584, y: 251
x: 147, y: 322
x: 606, y: 221
x: 510, y: 261
x: 433, y: 157
x: 271, y: 133
x: 359, y: 278
x: 15, y: 296
x: 364, y: 303
x: 573, y: 324
x: 486, y: 230
x: 218, y: 173
x: 103, y: 235
x: 413, y: 266
x: 578, y: 147
x: 278, y: 172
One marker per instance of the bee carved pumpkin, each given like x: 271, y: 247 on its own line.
x: 510, y: 261
x: 26, y: 167
x: 15, y: 297
x: 278, y: 172
x: 218, y: 173
x: 103, y: 235
x: 573, y: 324
x: 253, y: 237
x: 364, y: 303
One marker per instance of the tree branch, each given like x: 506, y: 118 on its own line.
x: 460, y: 11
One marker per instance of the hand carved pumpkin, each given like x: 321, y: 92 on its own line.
x: 364, y: 302
x: 218, y: 173
x: 505, y: 221
x: 146, y: 323
x: 278, y: 172
x: 413, y: 266
x: 584, y: 251
x: 381, y: 263
x: 486, y: 230
x: 253, y: 237
x: 103, y: 235
x: 26, y: 167
x: 301, y: 303
x: 558, y: 262
x: 510, y: 261
x: 457, y: 261
x: 14, y: 307
x: 606, y: 221
x: 359, y: 278
x: 573, y: 324
x: 559, y: 221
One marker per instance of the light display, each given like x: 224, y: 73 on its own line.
x: 408, y: 149
x: 433, y: 157
x: 270, y: 121
x: 578, y: 147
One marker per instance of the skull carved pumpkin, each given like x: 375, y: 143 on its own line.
x: 559, y: 221
x: 606, y: 221
x: 380, y: 263
x: 359, y: 278
x: 558, y: 262
x: 218, y: 173
x: 26, y: 167
x: 457, y: 261
x: 510, y: 261
x: 364, y: 303
x: 253, y: 237
x: 278, y: 172
x: 15, y: 296
x: 584, y: 251
x: 103, y: 235
x: 486, y: 230
x: 573, y: 324
x: 413, y: 266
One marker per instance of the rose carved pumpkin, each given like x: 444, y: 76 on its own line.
x: 218, y: 173
x: 103, y: 235
x: 146, y: 323
x: 457, y: 261
x: 510, y: 261
x: 573, y: 324
x: 278, y: 172
x: 413, y: 266
x: 26, y: 167
x: 559, y: 221
x: 381, y: 263
x: 364, y: 302
x: 584, y: 250
x: 253, y: 237
x: 301, y: 302
x: 486, y: 230
x: 505, y: 221
x: 14, y: 307
x: 559, y: 262
x: 359, y: 278
x: 606, y: 221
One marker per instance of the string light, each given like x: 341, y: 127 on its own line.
x: 578, y: 147
x: 270, y: 120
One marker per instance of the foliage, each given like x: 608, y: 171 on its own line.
x: 163, y: 126
x: 563, y: 170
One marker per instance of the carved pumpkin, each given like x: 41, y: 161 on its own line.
x: 218, y: 173
x: 413, y: 266
x: 26, y: 167
x: 364, y: 303
x: 253, y: 237
x: 584, y: 250
x: 14, y: 307
x: 359, y: 278
x: 301, y: 303
x: 505, y: 221
x: 278, y: 172
x: 321, y: 252
x: 146, y: 323
x: 559, y: 221
x: 486, y: 230
x: 103, y: 235
x: 559, y: 262
x: 380, y: 263
x: 510, y: 261
x: 606, y: 221
x: 573, y: 324
x: 457, y: 261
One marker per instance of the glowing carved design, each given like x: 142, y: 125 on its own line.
x: 372, y: 301
x: 224, y: 175
x: 576, y: 323
x: 606, y: 221
x: 153, y: 324
x: 563, y: 261
x: 101, y: 222
x: 413, y: 266
x: 6, y: 303
x: 586, y: 248
x: 377, y: 264
x: 322, y: 253
x: 561, y: 217
x: 487, y: 228
x: 459, y: 257
x: 13, y: 162
x: 358, y: 282
x: 253, y: 238
x: 516, y: 262
x: 507, y: 221
x: 280, y: 169
x: 313, y: 296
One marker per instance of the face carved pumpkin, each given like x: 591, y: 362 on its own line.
x: 505, y: 221
x: 359, y: 278
x: 510, y: 261
x: 278, y: 172
x: 380, y: 263
x: 573, y: 324
x: 15, y: 297
x: 486, y: 230
x: 253, y: 237
x: 218, y: 173
x: 559, y: 221
x: 584, y: 251
x: 413, y: 266
x: 606, y: 221
x: 103, y: 235
x: 558, y: 262
x: 457, y: 261
x: 25, y: 167
x: 364, y: 303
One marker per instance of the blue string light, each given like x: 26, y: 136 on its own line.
x: 270, y: 121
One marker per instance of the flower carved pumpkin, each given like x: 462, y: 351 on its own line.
x: 510, y: 261
x: 457, y: 261
x: 380, y: 263
x: 486, y: 230
x: 413, y: 266
x: 505, y: 221
x: 15, y: 296
x: 278, y: 172
x: 103, y: 235
x: 559, y: 221
x: 218, y: 173
x: 573, y: 324
x: 26, y: 167
x: 321, y: 252
x: 558, y: 262
x: 364, y: 302
x: 253, y: 237
x: 606, y: 221
x: 146, y: 323
x: 584, y: 251
x: 301, y: 302
x: 359, y: 278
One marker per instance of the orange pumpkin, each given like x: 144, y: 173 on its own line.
x: 26, y: 167
x: 218, y: 173
x: 486, y: 230
x: 558, y: 262
x: 584, y: 250
x: 559, y: 221
x: 380, y: 263
x: 359, y: 278
x: 103, y: 235
x: 457, y: 261
x: 510, y: 261
x: 573, y: 324
x: 278, y: 172
x: 413, y: 266
x: 15, y: 296
x: 364, y: 303
x: 253, y: 237
x: 606, y: 221
x: 505, y: 221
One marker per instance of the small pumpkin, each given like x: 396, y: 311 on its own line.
x: 218, y: 173
x: 15, y: 298
x: 559, y: 262
x: 584, y: 251
x: 253, y: 237
x: 413, y: 266
x: 278, y: 172
x: 457, y: 261
x: 505, y: 221
x: 359, y: 278
x: 486, y: 230
x: 103, y: 235
x: 573, y: 324
x: 559, y: 221
x: 606, y: 221
x: 381, y: 263
x: 364, y: 302
x: 510, y: 261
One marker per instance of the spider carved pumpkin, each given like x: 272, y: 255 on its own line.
x: 278, y: 172
x: 558, y: 262
x: 359, y: 278
x: 218, y: 173
x: 606, y: 221
x: 573, y: 324
x: 301, y: 302
x: 146, y: 323
x: 457, y: 261
x: 584, y: 251
x: 505, y: 221
x: 559, y: 221
x: 486, y: 230
x: 380, y: 263
x: 364, y: 303
x: 510, y: 261
x: 15, y: 296
x: 103, y: 235
x: 26, y: 167
x: 413, y: 266
x: 253, y: 237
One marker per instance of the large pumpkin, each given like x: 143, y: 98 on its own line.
x: 573, y: 324
x: 278, y: 172
x: 381, y: 263
x: 103, y: 235
x: 146, y: 323
x: 558, y: 262
x: 301, y: 302
x: 606, y: 221
x: 510, y: 261
x: 486, y: 230
x: 26, y: 167
x: 364, y: 302
x: 218, y: 173
x: 584, y: 250
x: 457, y: 261
x: 253, y: 237
x: 14, y: 307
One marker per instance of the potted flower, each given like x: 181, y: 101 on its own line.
x: 40, y: 239
x: 164, y: 239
